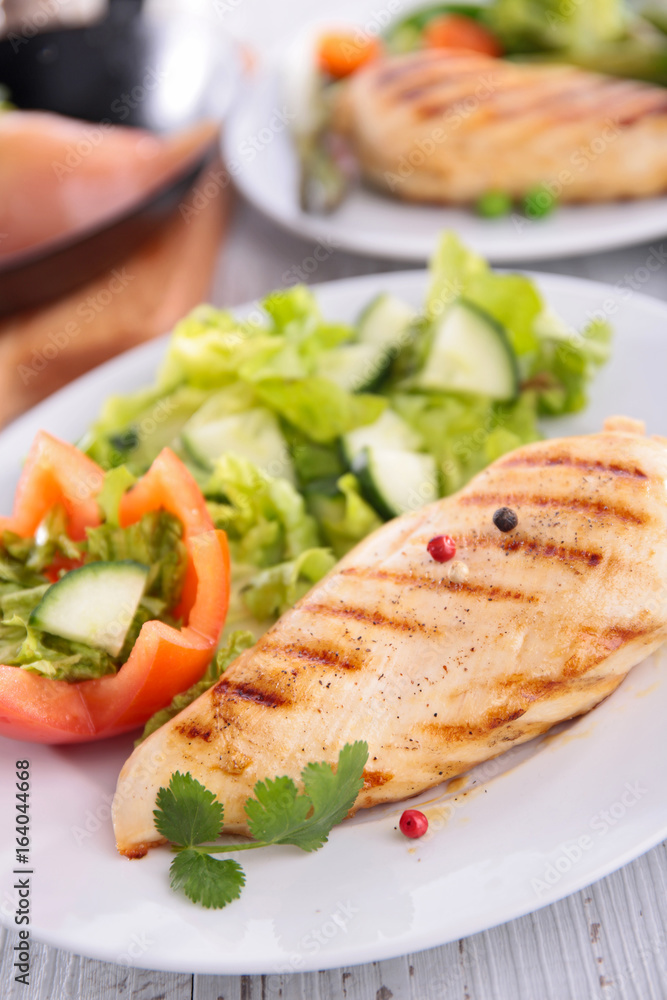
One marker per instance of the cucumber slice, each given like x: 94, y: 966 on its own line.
x: 94, y: 604
x: 384, y: 322
x: 380, y: 331
x: 388, y: 431
x: 234, y: 398
x: 253, y: 434
x: 395, y: 482
x: 354, y: 367
x: 470, y: 353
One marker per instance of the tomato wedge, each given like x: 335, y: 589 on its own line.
x: 456, y: 31
x: 164, y: 660
x: 342, y: 53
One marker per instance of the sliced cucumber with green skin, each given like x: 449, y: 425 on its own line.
x: 384, y: 322
x: 380, y: 330
x: 354, y: 367
x: 94, y: 604
x: 388, y: 431
x: 395, y: 482
x: 235, y: 398
x: 254, y: 434
x: 470, y: 352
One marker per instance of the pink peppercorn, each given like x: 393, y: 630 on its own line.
x: 442, y: 548
x: 413, y: 823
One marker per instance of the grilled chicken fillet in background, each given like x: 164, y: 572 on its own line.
x: 439, y: 676
x: 446, y: 126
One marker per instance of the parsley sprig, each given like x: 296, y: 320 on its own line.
x: 189, y: 816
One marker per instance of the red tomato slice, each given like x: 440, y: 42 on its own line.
x: 456, y: 31
x: 342, y: 53
x: 164, y: 660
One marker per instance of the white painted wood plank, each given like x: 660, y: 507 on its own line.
x: 57, y: 975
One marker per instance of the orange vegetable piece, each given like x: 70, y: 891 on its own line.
x: 456, y: 31
x: 342, y: 53
x: 164, y: 660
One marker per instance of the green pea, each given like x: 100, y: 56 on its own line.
x: 539, y: 202
x: 494, y: 204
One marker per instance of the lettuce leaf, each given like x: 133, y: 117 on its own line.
x: 465, y: 433
x: 511, y: 299
x: 320, y: 408
x: 132, y: 430
x: 265, y: 518
x: 555, y: 361
x: 525, y: 25
x: 344, y: 517
x: 566, y: 362
x: 277, y: 588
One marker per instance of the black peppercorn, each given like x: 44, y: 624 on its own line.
x: 505, y: 519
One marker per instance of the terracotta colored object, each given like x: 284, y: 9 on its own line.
x: 59, y: 176
x: 140, y: 298
x: 75, y: 197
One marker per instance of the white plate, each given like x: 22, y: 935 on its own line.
x: 258, y: 147
x: 507, y: 847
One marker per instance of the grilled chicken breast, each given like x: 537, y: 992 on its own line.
x: 437, y: 675
x: 445, y: 126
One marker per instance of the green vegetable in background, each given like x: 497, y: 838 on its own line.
x: 605, y: 36
x: 527, y: 25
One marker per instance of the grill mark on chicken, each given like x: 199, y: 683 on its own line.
x: 430, y: 80
x: 537, y: 460
x: 532, y: 546
x: 520, y: 692
x: 247, y: 691
x: 194, y: 731
x: 517, y: 99
x: 414, y: 581
x: 480, y: 728
x: 416, y: 64
x: 327, y: 657
x: 594, y: 507
x: 365, y: 615
x: 629, y: 119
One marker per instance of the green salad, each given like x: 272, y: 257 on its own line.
x: 608, y: 36
x: 83, y: 622
x: 306, y: 434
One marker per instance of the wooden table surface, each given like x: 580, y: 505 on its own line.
x: 605, y: 943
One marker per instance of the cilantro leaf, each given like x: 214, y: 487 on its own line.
x: 277, y: 815
x: 206, y: 880
x: 276, y: 810
x: 332, y: 794
x: 187, y: 813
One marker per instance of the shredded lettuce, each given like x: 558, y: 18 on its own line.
x: 277, y: 588
x: 265, y: 518
x: 565, y: 363
x: 320, y: 408
x: 155, y: 541
x: 526, y: 25
x: 344, y: 516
